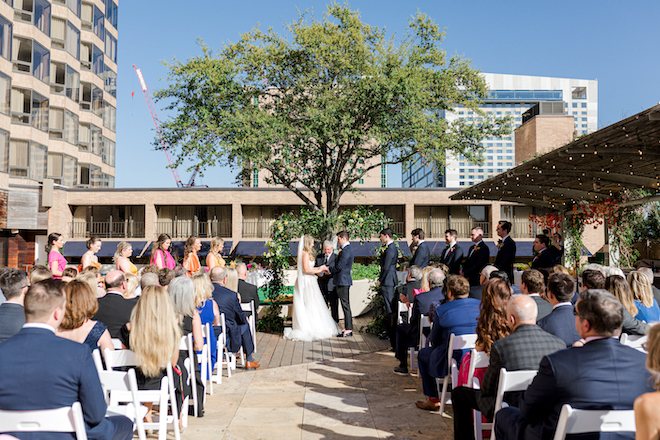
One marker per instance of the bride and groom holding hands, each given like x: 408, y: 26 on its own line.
x: 311, y: 318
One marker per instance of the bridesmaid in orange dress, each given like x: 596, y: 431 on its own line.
x: 89, y: 258
x: 214, y: 258
x: 190, y: 258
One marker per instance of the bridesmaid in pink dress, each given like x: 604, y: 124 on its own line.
x: 160, y: 253
x: 56, y: 261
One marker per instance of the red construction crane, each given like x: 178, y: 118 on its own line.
x: 152, y: 108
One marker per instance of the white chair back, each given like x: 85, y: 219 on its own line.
x: 424, y: 323
x: 577, y: 421
x: 121, y: 387
x: 205, y: 361
x: 96, y: 357
x: 252, y: 321
x: 119, y: 358
x: 116, y: 343
x: 186, y: 344
x: 634, y: 341
x: 67, y: 419
x: 456, y: 342
x: 511, y: 381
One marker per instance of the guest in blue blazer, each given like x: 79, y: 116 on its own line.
x: 458, y: 316
x: 561, y: 321
x: 603, y: 374
x: 39, y: 370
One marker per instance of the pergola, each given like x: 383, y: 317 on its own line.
x: 595, y: 167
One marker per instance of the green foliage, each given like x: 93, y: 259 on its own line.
x: 365, y: 271
x: 324, y: 104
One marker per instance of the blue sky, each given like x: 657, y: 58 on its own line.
x: 611, y: 41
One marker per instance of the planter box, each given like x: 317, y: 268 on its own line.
x: 359, y: 298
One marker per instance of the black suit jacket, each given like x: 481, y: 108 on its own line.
x: 476, y: 260
x: 453, y: 258
x: 234, y: 315
x: 325, y: 281
x: 506, y: 256
x: 422, y: 256
x: 603, y: 374
x: 388, y: 266
x: 249, y: 293
x: 561, y: 323
x: 341, y: 267
x: 544, y: 308
x: 521, y: 350
x: 544, y: 260
x: 114, y: 311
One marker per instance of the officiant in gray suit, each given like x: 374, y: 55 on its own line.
x: 325, y: 279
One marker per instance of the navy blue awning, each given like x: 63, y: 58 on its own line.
x: 108, y: 248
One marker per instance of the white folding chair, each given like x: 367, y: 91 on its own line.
x: 424, y: 323
x: 186, y: 344
x: 577, y: 421
x: 635, y: 341
x: 403, y: 308
x: 456, y: 342
x: 510, y: 381
x: 96, y: 356
x: 116, y: 343
x: 478, y: 359
x: 252, y: 320
x: 66, y: 419
x: 205, y: 362
x: 165, y: 397
x: 229, y: 358
x: 121, y: 387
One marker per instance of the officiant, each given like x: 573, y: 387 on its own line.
x: 325, y: 279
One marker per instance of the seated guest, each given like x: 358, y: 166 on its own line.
x: 492, y: 325
x: 458, y: 316
x: 77, y: 325
x: 91, y: 280
x: 618, y: 286
x: 413, y: 282
x: 151, y: 268
x: 558, y: 268
x: 114, y: 310
x: 647, y: 419
x: 39, y: 273
x: 523, y: 349
x: 207, y: 307
x: 561, y: 322
x: 643, y: 294
x: 543, y: 258
x: 532, y: 284
x: 69, y: 273
x: 424, y: 283
x: 38, y: 370
x: 231, y: 280
x: 165, y: 277
x: 649, y: 274
x: 14, y: 283
x: 237, y: 326
x: 148, y: 279
x: 179, y: 271
x: 132, y: 283
x: 407, y: 334
x: 603, y: 374
x: 476, y: 291
x: 247, y: 291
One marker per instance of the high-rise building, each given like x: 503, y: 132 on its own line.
x: 58, y: 87
x: 509, y: 95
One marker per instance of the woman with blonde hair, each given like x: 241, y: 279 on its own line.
x: 190, y: 258
x: 425, y: 286
x: 640, y: 285
x: 132, y: 282
x: 209, y: 313
x: 213, y: 258
x: 160, y: 253
x: 77, y: 325
x: 618, y: 286
x: 311, y: 317
x: 124, y: 251
x: 91, y: 280
x: 231, y: 282
x: 558, y: 268
x: 647, y: 416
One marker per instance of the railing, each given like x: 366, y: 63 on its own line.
x: 256, y: 228
x: 435, y: 228
x: 178, y: 228
x: 525, y: 229
x: 109, y: 229
x: 398, y: 228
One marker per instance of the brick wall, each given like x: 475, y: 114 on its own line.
x: 20, y: 253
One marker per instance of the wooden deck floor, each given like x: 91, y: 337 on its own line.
x: 274, y: 351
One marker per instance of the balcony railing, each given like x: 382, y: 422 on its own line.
x: 178, y: 228
x: 108, y: 229
x: 256, y: 228
x: 525, y: 229
x: 435, y: 228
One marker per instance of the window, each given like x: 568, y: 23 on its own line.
x: 86, y: 55
x: 73, y: 40
x: 109, y: 81
x: 108, y: 151
x: 97, y: 140
x: 91, y: 98
x: 34, y: 11
x: 96, y: 176
x: 31, y: 57
x: 21, y: 105
x: 84, y: 137
x: 5, y: 37
x: 109, y: 117
x: 110, y: 46
x: 111, y: 12
x: 83, y: 173
x: 97, y: 102
x: 579, y: 93
x: 58, y: 36
x: 255, y: 178
x: 97, y: 61
x: 4, y: 150
x: 70, y: 127
x: 65, y: 36
x: 74, y: 5
x: 5, y: 93
x: 55, y: 167
x: 39, y: 114
x: 38, y: 161
x: 583, y: 105
x: 56, y: 123
x: 360, y: 181
x: 93, y: 19
x: 19, y: 158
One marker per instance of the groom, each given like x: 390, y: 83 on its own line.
x: 341, y: 277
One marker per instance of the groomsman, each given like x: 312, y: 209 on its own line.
x: 452, y: 255
x: 325, y: 279
x: 477, y: 257
x: 341, y: 277
x: 421, y: 255
x: 388, y: 281
x: 507, y: 252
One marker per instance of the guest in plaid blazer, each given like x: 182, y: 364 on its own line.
x: 521, y: 350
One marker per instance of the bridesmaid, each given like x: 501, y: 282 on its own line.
x: 160, y: 253
x: 214, y: 258
x: 190, y: 258
x: 56, y: 261
x: 89, y: 258
x: 124, y: 250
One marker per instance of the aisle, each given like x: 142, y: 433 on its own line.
x: 355, y: 397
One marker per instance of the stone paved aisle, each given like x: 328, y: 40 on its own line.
x: 341, y: 398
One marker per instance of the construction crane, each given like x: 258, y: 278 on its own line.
x: 152, y: 108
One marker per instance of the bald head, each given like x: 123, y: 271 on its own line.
x: 218, y: 274
x: 521, y: 310
x: 241, y: 270
x: 114, y: 280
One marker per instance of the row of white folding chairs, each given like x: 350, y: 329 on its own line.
x: 424, y: 323
x: 66, y: 419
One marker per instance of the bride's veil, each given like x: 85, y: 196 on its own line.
x: 301, y: 245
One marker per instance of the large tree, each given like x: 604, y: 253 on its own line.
x: 325, y: 104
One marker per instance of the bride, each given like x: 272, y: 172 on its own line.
x: 311, y: 317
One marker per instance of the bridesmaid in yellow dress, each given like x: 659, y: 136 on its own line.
x: 213, y: 258
x: 89, y: 258
x: 124, y: 251
x: 190, y: 258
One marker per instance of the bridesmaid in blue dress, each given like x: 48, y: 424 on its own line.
x: 77, y: 325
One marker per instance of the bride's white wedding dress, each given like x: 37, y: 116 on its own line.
x: 311, y: 316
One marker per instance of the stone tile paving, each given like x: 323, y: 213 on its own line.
x: 341, y: 398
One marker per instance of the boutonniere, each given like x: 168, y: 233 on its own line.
x: 476, y: 247
x: 451, y: 249
x: 499, y: 243
x: 339, y: 252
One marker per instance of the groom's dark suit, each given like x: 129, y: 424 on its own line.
x: 341, y: 277
x: 327, y: 286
